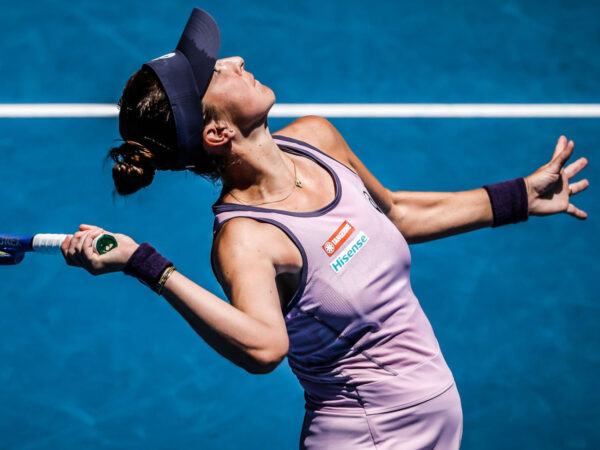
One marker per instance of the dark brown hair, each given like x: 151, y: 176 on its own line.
x: 147, y: 127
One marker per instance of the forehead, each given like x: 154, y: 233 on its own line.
x: 228, y: 59
x: 219, y: 91
x: 222, y: 80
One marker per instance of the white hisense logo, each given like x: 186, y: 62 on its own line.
x: 349, y: 252
x: 167, y: 56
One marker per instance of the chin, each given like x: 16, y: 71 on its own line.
x: 270, y: 91
x: 271, y: 98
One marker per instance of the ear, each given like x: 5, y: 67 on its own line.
x: 216, y: 134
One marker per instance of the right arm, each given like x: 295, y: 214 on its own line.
x: 250, y: 331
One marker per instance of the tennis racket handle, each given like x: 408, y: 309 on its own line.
x: 16, y: 242
x: 47, y: 243
x: 50, y: 243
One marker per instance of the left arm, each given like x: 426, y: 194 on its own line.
x: 433, y: 215
x: 425, y: 216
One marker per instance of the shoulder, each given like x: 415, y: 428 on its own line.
x: 244, y: 242
x: 320, y: 133
x: 241, y: 235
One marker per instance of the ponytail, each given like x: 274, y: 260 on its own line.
x: 133, y: 169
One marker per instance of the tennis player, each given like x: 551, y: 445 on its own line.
x: 311, y: 250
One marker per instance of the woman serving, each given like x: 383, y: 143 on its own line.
x: 311, y: 250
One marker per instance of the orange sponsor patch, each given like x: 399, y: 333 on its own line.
x: 338, y: 237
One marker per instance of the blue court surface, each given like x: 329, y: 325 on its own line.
x: 102, y: 362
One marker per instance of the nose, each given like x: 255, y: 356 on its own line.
x: 235, y: 63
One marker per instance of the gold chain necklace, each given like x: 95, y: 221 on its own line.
x: 297, y: 183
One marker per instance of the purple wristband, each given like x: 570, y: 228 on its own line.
x: 147, y: 265
x: 509, y: 201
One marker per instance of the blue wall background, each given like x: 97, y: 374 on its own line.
x: 96, y: 362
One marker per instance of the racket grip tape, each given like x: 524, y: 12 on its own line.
x: 47, y: 243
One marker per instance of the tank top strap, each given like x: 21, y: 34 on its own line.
x: 320, y: 155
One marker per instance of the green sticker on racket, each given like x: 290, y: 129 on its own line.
x: 104, y: 243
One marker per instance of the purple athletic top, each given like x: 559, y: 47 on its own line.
x: 359, y: 340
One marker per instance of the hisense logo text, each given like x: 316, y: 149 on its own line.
x: 349, y: 252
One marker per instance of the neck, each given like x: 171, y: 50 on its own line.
x: 256, y: 169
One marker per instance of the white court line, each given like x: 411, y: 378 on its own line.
x: 337, y: 110
x: 39, y: 110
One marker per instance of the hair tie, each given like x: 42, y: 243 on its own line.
x: 158, y: 143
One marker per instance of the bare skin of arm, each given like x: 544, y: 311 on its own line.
x: 250, y: 331
x: 425, y: 216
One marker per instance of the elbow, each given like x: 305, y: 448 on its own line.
x: 389, y: 205
x: 262, y: 368
x: 266, y: 361
x: 393, y: 207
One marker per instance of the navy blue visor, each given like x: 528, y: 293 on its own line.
x: 185, y: 74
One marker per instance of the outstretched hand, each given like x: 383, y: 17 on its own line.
x: 549, y: 189
x: 78, y: 251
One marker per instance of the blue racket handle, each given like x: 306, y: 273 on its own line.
x: 18, y: 243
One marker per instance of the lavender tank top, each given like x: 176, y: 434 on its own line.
x: 359, y: 340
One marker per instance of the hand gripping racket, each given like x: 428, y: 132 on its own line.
x: 13, y: 247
